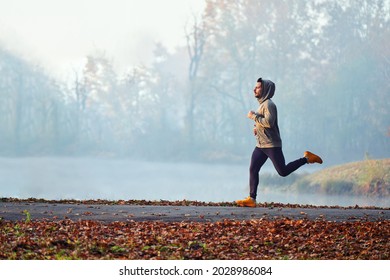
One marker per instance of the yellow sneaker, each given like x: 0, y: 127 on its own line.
x: 312, y: 158
x: 247, y: 202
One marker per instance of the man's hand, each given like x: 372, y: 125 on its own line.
x: 251, y: 115
x: 254, y: 131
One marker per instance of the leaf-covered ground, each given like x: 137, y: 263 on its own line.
x: 228, y: 239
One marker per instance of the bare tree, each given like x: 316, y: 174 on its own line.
x: 196, y: 39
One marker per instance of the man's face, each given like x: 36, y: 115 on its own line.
x: 257, y: 90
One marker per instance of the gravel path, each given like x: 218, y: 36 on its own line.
x: 14, y: 211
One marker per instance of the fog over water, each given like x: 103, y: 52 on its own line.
x: 114, y: 179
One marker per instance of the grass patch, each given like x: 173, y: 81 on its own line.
x: 364, y: 178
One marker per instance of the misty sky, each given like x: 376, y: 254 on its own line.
x: 58, y: 34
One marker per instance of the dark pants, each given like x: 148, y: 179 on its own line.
x: 260, y: 156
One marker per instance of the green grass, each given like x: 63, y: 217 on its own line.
x: 368, y: 178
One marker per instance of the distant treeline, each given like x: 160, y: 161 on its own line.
x: 329, y: 60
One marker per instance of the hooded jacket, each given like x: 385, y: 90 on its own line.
x: 266, y: 118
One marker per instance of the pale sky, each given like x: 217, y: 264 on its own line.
x: 58, y: 34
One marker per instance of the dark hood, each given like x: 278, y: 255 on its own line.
x: 268, y: 90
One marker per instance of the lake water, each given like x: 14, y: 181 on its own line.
x: 114, y: 179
